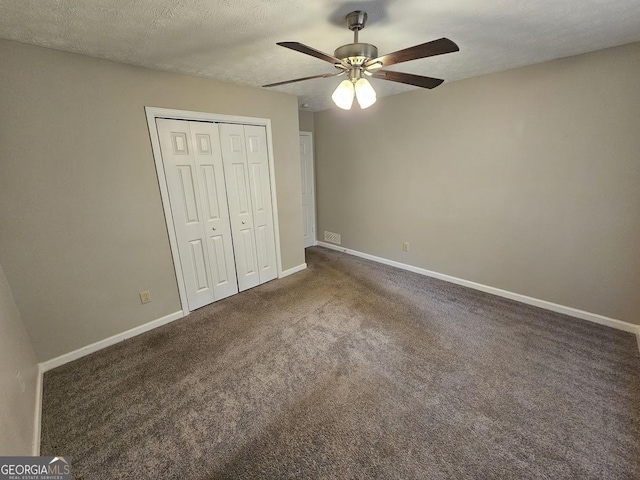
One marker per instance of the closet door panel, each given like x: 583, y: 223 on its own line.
x: 240, y: 210
x: 258, y: 168
x: 213, y: 197
x: 188, y: 217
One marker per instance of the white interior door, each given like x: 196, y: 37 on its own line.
x: 308, y: 190
x: 258, y: 167
x: 191, y: 158
x: 240, y: 209
x: 213, y: 195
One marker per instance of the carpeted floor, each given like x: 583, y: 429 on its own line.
x: 352, y: 369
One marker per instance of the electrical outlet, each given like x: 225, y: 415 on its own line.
x: 145, y: 297
x: 405, y: 246
x: 332, y: 237
x: 21, y: 381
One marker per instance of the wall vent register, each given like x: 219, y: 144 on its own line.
x: 332, y: 237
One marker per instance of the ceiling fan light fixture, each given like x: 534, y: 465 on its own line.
x: 343, y: 95
x: 359, y: 60
x: 365, y: 93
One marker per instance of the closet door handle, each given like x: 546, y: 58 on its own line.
x: 243, y: 222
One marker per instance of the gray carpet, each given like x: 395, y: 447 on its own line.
x: 352, y: 369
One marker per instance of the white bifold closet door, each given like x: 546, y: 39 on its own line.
x: 246, y: 168
x: 195, y: 180
x: 218, y: 181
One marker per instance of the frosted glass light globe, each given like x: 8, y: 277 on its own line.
x: 365, y: 93
x: 343, y: 95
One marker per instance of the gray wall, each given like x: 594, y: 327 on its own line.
x: 17, y: 408
x: 526, y: 180
x: 306, y: 121
x: 82, y: 224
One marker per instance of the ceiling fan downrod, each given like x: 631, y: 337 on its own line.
x: 356, y: 21
x: 355, y: 54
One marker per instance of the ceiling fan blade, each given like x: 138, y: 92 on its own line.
x: 408, y: 78
x: 424, y: 50
x: 302, y: 48
x: 324, y: 75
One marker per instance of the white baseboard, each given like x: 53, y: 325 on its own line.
x: 293, y: 270
x: 107, y: 342
x: 554, y: 307
x: 37, y: 424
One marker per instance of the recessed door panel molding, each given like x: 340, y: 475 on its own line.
x: 256, y: 187
x: 254, y: 143
x: 235, y: 142
x: 261, y: 201
x: 181, y: 178
x: 263, y: 244
x: 203, y: 142
x: 236, y: 176
x: 180, y: 143
x: 220, y: 252
x: 303, y: 176
x: 188, y: 193
x: 241, y: 192
x: 248, y: 249
x: 306, y: 231
x: 199, y: 265
x: 308, y: 189
x: 210, y: 191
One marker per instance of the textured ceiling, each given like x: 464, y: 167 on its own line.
x: 235, y: 40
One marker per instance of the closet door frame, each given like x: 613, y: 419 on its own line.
x: 155, y: 112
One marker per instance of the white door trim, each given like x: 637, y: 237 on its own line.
x: 156, y: 112
x: 313, y: 180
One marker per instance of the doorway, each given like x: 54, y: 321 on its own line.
x: 307, y: 173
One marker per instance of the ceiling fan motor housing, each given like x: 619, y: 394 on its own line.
x: 356, y: 53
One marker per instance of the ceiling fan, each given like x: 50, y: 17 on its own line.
x: 360, y: 60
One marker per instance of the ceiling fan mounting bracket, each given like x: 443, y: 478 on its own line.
x: 356, y: 20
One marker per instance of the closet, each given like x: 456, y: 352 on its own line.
x: 217, y: 177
